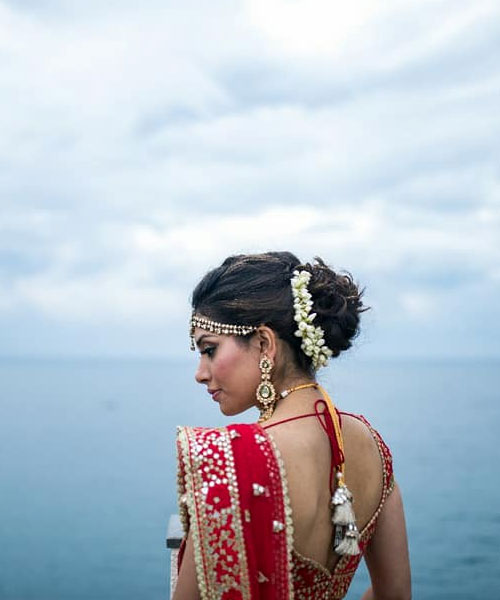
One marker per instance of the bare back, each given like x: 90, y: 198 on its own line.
x: 306, y: 452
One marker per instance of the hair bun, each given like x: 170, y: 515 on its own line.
x: 337, y: 303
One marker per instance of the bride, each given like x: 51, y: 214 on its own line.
x: 285, y: 507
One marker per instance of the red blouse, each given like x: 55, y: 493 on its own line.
x: 233, y: 497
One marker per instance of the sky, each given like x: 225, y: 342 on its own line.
x: 141, y: 144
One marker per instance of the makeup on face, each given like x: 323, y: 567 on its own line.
x: 229, y: 370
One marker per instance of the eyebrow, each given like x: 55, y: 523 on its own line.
x: 202, y: 337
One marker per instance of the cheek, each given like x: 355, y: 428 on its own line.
x: 225, y: 365
x: 238, y: 368
x: 248, y: 377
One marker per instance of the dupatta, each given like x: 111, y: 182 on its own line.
x: 233, y: 498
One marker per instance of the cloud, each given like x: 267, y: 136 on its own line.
x: 140, y: 147
x: 104, y: 270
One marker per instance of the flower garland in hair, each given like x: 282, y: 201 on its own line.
x: 313, y: 342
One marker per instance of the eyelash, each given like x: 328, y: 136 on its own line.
x: 209, y: 351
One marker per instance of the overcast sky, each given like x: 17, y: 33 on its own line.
x: 141, y: 146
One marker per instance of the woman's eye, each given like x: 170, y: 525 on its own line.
x: 209, y: 351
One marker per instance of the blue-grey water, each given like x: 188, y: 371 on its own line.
x: 87, y: 471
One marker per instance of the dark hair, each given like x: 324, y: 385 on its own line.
x: 254, y: 289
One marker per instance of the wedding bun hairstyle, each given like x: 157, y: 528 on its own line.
x: 255, y: 289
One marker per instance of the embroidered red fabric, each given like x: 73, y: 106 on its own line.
x: 232, y: 492
x: 233, y: 496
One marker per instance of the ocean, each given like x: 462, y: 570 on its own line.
x: 87, y: 470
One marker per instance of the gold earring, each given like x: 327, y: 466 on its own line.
x: 266, y: 394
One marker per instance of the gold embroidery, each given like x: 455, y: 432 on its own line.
x: 386, y: 487
x: 278, y: 526
x: 261, y: 578
x: 258, y: 489
x: 260, y: 439
x: 287, y: 509
x: 181, y: 487
x: 214, y: 512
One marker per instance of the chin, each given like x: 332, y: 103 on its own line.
x: 231, y: 411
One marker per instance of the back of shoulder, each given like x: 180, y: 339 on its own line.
x: 368, y: 465
x: 367, y: 436
x: 362, y: 455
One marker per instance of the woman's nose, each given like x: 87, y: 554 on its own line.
x: 201, y: 374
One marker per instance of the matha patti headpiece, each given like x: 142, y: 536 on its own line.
x: 217, y: 328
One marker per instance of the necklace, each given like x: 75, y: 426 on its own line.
x: 302, y: 386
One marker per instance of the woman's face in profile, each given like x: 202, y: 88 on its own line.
x: 229, y: 369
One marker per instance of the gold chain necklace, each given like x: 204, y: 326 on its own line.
x: 302, y: 386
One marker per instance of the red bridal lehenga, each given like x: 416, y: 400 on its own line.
x: 233, y: 497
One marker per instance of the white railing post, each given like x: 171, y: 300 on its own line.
x: 174, y: 538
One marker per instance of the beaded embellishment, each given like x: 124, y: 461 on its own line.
x: 217, y: 328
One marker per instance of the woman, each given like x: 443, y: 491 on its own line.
x: 268, y: 508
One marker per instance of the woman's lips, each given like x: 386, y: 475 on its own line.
x: 214, y: 394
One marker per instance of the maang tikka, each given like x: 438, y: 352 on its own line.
x: 266, y: 394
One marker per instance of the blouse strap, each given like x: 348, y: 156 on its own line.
x: 337, y: 431
x: 329, y: 427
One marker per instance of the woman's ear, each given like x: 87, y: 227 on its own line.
x: 267, y: 342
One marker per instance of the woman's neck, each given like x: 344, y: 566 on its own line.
x: 295, y: 403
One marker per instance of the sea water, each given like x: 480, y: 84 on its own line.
x: 87, y: 471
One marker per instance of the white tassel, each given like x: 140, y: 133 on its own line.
x: 343, y: 514
x: 349, y: 545
x: 345, y: 543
